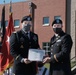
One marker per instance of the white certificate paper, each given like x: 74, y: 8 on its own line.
x: 36, y: 54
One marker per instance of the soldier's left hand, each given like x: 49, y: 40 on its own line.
x: 46, y: 60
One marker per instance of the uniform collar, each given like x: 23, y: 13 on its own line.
x: 59, y: 35
x: 56, y: 35
x: 26, y: 32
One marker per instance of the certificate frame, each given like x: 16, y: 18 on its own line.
x: 36, y: 54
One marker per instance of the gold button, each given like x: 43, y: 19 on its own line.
x: 52, y: 45
x: 51, y: 49
x: 51, y: 53
x: 57, y: 38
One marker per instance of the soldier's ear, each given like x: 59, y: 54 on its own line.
x: 62, y: 26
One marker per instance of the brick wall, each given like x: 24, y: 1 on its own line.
x: 46, y: 8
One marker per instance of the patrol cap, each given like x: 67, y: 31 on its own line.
x: 57, y: 21
x: 26, y: 18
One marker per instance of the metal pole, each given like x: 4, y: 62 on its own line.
x: 4, y: 1
x: 30, y: 8
x: 31, y: 13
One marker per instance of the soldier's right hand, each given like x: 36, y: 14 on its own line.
x: 26, y: 61
x: 46, y: 60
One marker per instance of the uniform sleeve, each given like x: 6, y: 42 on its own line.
x: 65, y: 49
x: 14, y: 51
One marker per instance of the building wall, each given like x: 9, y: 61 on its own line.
x: 46, y: 8
x: 49, y: 8
x: 73, y: 26
x: 19, y: 10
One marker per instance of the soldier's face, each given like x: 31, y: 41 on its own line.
x: 27, y: 22
x: 26, y: 25
x: 57, y: 28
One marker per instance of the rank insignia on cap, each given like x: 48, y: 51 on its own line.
x: 28, y: 18
x: 57, y: 20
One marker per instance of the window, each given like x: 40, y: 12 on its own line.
x: 0, y: 24
x: 45, y: 21
x: 16, y: 23
x: 46, y: 47
x: 57, y: 17
x: 6, y: 23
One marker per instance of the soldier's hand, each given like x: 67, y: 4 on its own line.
x: 46, y: 60
x: 26, y: 61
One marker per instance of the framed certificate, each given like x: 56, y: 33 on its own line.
x: 36, y: 54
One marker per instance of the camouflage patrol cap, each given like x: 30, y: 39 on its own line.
x: 57, y: 21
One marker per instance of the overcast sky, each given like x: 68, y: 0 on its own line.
x: 8, y: 1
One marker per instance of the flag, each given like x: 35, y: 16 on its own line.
x: 3, y: 22
x: 6, y: 58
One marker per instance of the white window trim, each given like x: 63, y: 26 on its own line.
x: 46, y: 24
x: 46, y: 50
x: 16, y: 26
x: 46, y: 46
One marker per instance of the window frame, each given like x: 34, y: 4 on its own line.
x: 46, y: 24
x: 57, y: 17
x: 6, y: 21
x: 46, y: 46
x: 0, y: 24
x: 17, y: 25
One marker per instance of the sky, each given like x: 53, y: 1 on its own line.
x: 8, y: 1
